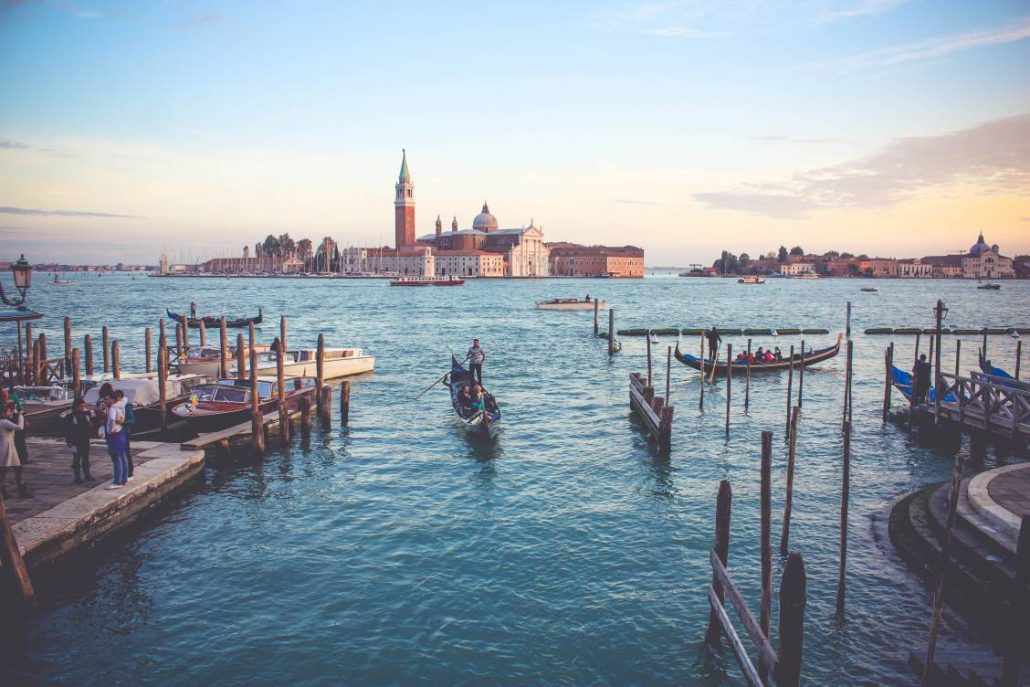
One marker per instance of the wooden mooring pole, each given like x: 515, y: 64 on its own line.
x: 203, y: 334
x: 116, y: 360
x: 10, y: 556
x: 241, y: 358
x: 611, y: 331
x: 747, y: 379
x: 67, y: 342
x: 344, y: 403
x: 788, y: 501
x: 765, y: 610
x: 20, y: 378
x: 847, y: 386
x: 597, y: 307
x: 888, y: 364
x: 304, y: 406
x: 105, y: 339
x: 162, y: 379
x: 650, y: 381
x: 178, y: 341
x: 88, y: 345
x: 280, y: 380
x: 845, y: 495
x: 147, y: 345
x: 937, y: 379
x: 985, y: 342
x: 801, y: 376
x: 257, y: 419
x: 29, y: 344
x: 701, y: 398
x: 790, y: 394
x: 938, y: 597
x: 729, y: 384
x: 325, y: 395
x: 282, y: 332
x: 76, y: 379
x: 793, y: 593
x: 1019, y: 356
x: 223, y: 349
x: 185, y: 336
x: 958, y: 356
x: 162, y: 339
x: 721, y: 546
x: 668, y: 375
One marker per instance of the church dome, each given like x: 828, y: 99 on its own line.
x: 484, y: 221
x: 979, y: 246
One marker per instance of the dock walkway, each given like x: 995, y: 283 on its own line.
x: 63, y: 515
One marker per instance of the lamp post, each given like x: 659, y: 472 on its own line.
x: 941, y: 311
x: 22, y: 272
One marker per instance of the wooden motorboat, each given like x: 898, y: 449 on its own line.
x: 800, y: 360
x: 571, y: 304
x: 428, y: 281
x: 44, y: 406
x: 145, y: 396
x: 228, y: 402
x: 207, y: 359
x: 483, y: 424
x: 211, y: 322
x: 989, y: 286
x: 869, y: 289
x: 338, y: 362
x: 751, y: 280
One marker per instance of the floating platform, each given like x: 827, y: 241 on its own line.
x: 723, y: 331
x: 63, y: 516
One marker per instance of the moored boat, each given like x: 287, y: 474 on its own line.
x: 44, y: 406
x: 869, y: 289
x: 571, y: 304
x: 211, y: 322
x: 207, y: 359
x: 338, y: 362
x: 228, y: 402
x: 989, y: 286
x: 751, y: 280
x: 800, y: 360
x: 483, y: 424
x: 450, y: 280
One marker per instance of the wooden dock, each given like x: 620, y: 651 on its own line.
x: 652, y: 411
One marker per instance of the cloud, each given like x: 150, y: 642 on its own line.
x: 7, y: 210
x: 775, y: 138
x: 994, y: 157
x: 932, y: 48
x: 675, y: 32
x: 12, y: 145
x: 862, y: 8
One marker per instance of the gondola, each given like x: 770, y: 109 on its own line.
x: 211, y: 322
x: 903, y: 382
x: 484, y: 424
x: 810, y: 358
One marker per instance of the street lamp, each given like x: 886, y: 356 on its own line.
x: 22, y: 272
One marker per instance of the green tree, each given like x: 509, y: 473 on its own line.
x: 744, y: 261
x: 782, y: 255
x: 270, y: 247
x: 304, y: 249
x: 797, y: 251
x: 846, y: 256
x: 830, y: 254
x: 286, y: 245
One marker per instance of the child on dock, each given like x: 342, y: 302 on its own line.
x: 79, y: 430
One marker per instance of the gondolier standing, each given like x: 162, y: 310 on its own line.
x: 193, y: 310
x: 713, y: 342
x: 476, y: 356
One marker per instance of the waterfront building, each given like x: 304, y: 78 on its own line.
x: 982, y: 261
x: 409, y: 261
x: 914, y: 268
x: 574, y: 260
x: 469, y: 263
x: 404, y: 206
x: 797, y: 269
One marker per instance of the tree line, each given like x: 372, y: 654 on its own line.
x: 745, y: 264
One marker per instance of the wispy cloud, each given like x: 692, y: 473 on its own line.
x: 994, y: 156
x: 932, y: 48
x: 775, y: 138
x: 12, y: 145
x: 7, y: 210
x: 863, y: 8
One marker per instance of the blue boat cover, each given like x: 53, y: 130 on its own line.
x: 903, y: 381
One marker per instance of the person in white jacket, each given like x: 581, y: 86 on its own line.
x: 114, y: 432
x: 9, y: 452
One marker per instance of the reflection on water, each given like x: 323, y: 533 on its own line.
x: 398, y: 550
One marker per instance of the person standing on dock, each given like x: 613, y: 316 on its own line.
x: 193, y: 310
x: 714, y: 340
x: 921, y: 379
x: 476, y: 357
x: 114, y: 431
x: 8, y: 453
x: 80, y: 427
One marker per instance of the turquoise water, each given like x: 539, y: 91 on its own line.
x: 397, y: 552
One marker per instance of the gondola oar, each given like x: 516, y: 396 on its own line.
x: 436, y: 382
x: 715, y: 361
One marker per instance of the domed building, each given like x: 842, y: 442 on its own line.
x: 986, y: 262
x: 484, y: 221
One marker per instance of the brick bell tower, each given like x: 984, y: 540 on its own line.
x: 404, y: 207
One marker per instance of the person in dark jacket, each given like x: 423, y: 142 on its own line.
x: 921, y: 379
x: 713, y: 342
x: 77, y: 435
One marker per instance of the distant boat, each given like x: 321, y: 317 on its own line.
x: 570, y: 304
x: 751, y: 280
x: 989, y: 286
x: 869, y: 289
x: 428, y: 281
x: 212, y: 322
x: 57, y: 281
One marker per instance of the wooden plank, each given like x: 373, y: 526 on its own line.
x: 743, y: 659
x: 644, y: 410
x: 241, y: 430
x: 762, y: 645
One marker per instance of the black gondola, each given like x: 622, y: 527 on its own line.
x: 211, y: 322
x: 811, y: 358
x: 486, y: 423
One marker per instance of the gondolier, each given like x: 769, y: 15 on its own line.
x: 714, y: 340
x: 476, y: 357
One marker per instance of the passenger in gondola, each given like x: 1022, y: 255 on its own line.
x: 741, y: 358
x: 769, y: 357
x: 777, y: 353
x: 465, y: 400
x: 478, y: 399
x: 759, y: 355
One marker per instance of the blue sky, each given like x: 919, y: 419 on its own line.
x: 880, y: 126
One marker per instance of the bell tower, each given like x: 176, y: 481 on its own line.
x: 404, y: 207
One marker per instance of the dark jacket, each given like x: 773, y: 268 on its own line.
x: 79, y: 427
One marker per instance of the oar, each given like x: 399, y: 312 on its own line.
x: 435, y: 383
x: 715, y: 360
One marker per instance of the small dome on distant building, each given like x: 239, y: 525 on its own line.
x: 484, y: 221
x: 979, y: 246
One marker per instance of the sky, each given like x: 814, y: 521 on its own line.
x: 886, y: 127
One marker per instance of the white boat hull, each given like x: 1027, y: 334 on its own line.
x: 333, y: 368
x: 571, y: 306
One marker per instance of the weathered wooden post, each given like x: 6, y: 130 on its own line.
x: 845, y: 495
x: 847, y: 386
x: 1019, y: 608
x: 223, y: 350
x: 89, y: 355
x: 701, y: 398
x: 793, y: 594
x: 723, y: 506
x: 1019, y: 356
x: 162, y: 380
x: 280, y: 380
x: 958, y: 355
x: 930, y: 357
x: 162, y: 339
x: 729, y: 384
x: 116, y: 362
x: 344, y: 403
x: 937, y: 380
x: 325, y: 404
x: 915, y: 355
x: 597, y: 307
x: 29, y: 345
x: 185, y: 336
x: 801, y: 375
x: 34, y: 364
x: 106, y: 340
x: 747, y: 381
x: 203, y: 334
x: 649, y: 379
x: 250, y: 335
x: 10, y: 556
x: 611, y: 331
x: 76, y: 379
x: 241, y: 358
x: 304, y: 405
x: 938, y: 597
x: 282, y: 332
x: 178, y: 341
x: 849, y: 321
x: 668, y: 374
x: 320, y: 375
x: 790, y: 393
x: 765, y: 610
x: 985, y: 342
x: 67, y: 342
x: 21, y: 355
x: 788, y: 501
x: 147, y: 345
x: 888, y: 363
x: 257, y: 419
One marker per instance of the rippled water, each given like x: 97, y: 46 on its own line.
x: 397, y: 552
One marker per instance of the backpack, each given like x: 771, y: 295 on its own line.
x: 130, y: 417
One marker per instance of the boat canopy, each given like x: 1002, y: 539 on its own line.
x: 141, y: 392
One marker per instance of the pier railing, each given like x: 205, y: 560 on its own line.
x: 988, y: 402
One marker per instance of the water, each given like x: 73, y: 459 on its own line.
x: 397, y: 552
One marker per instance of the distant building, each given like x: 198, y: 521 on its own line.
x: 983, y: 261
x: 796, y: 269
x: 469, y: 263
x: 574, y: 260
x: 404, y: 206
x: 914, y: 268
